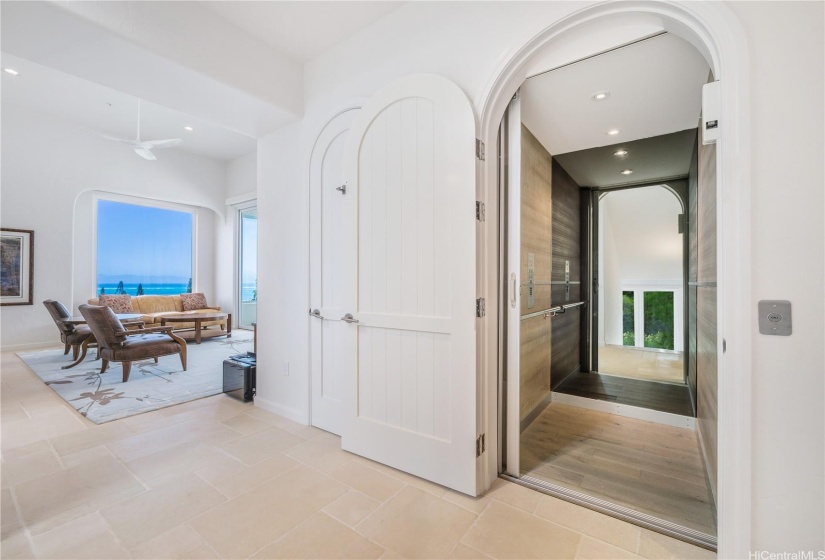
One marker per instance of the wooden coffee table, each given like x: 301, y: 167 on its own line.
x: 198, y: 319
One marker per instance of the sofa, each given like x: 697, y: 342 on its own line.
x: 153, y: 308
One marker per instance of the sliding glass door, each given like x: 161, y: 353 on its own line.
x: 248, y: 263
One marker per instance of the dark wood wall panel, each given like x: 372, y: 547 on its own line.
x: 566, y: 355
x: 536, y: 238
x: 566, y: 225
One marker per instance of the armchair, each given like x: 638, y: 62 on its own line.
x: 72, y: 336
x: 116, y: 344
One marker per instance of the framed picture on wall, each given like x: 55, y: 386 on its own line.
x: 16, y: 266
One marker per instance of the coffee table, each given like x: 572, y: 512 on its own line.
x: 198, y: 319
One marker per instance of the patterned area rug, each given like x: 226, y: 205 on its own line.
x: 103, y: 398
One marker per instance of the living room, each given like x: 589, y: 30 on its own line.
x: 205, y: 64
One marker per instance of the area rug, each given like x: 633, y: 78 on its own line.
x: 103, y: 398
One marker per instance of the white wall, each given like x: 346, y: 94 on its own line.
x: 48, y: 164
x: 241, y: 184
x: 788, y: 244
x: 466, y: 42
x: 283, y: 282
x: 242, y: 175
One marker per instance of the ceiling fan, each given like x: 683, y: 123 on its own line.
x: 143, y: 148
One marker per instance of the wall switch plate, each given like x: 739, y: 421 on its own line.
x: 775, y: 317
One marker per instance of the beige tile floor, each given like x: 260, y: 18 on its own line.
x: 637, y: 363
x: 217, y: 478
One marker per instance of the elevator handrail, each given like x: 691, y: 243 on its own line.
x: 553, y: 311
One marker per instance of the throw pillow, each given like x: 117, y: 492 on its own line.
x: 194, y: 301
x: 118, y: 304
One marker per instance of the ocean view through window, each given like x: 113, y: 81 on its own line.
x: 143, y: 250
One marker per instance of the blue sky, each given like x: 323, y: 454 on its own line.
x: 143, y: 244
x: 249, y: 255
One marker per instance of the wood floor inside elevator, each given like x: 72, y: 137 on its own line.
x: 648, y: 467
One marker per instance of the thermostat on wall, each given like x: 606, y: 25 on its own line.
x: 711, y: 107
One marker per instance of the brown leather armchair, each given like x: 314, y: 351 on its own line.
x: 116, y: 344
x: 70, y: 335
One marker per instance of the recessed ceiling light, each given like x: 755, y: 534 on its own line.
x: 188, y: 128
x: 620, y: 153
x: 627, y: 172
x: 11, y: 71
x: 613, y: 132
x: 600, y: 95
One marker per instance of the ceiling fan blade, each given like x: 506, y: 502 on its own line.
x: 150, y: 144
x: 145, y: 154
x: 117, y: 139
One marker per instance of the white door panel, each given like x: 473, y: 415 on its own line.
x: 326, y: 267
x: 410, y: 376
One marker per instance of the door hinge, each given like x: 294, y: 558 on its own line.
x: 480, y: 445
x: 480, y: 307
x: 479, y: 149
x: 479, y: 211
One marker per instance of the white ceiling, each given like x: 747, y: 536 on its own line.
x: 114, y: 113
x: 301, y: 30
x: 655, y: 88
x: 236, y: 66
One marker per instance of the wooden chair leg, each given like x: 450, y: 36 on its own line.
x: 104, y: 366
x: 182, y: 344
x: 75, y: 351
x: 83, y: 348
x: 156, y: 360
x: 127, y: 368
x: 66, y: 350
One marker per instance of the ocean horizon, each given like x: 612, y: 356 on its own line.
x: 163, y: 289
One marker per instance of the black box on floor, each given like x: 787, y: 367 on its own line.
x: 239, y: 375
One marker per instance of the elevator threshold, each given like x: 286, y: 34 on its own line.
x: 653, y: 523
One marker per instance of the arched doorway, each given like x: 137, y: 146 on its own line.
x: 715, y: 33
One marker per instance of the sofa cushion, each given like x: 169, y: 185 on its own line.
x: 118, y: 304
x: 191, y: 302
x: 157, y: 304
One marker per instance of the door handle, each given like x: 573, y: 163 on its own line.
x: 316, y: 313
x: 513, y: 290
x: 348, y: 318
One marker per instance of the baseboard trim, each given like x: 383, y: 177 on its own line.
x: 533, y: 414
x: 626, y: 410
x: 281, y: 410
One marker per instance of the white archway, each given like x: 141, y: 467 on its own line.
x: 715, y: 32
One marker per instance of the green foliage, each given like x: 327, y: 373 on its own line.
x: 102, y: 291
x: 140, y: 290
x: 658, y: 308
x: 628, y: 336
x: 189, y: 287
x: 120, y: 289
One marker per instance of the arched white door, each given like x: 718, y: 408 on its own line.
x: 410, y: 352
x: 326, y: 178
